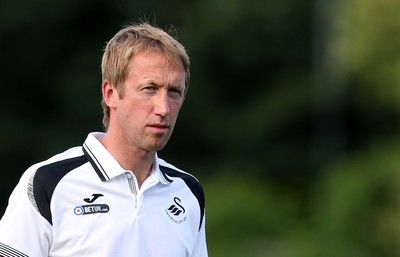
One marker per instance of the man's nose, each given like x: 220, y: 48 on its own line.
x: 161, y: 106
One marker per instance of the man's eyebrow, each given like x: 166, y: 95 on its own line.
x: 181, y: 85
x: 148, y: 81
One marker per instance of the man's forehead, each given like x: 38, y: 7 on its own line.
x: 163, y: 57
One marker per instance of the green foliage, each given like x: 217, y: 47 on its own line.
x: 246, y: 216
x: 348, y: 206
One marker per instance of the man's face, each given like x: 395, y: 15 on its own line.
x: 152, y: 97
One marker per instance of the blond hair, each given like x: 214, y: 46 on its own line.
x: 128, y: 42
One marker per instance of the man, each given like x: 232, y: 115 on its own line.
x: 113, y: 196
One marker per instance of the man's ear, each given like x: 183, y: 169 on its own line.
x: 110, y: 94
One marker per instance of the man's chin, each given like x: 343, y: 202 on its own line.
x: 156, y: 147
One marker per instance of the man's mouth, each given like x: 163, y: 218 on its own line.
x: 159, y: 127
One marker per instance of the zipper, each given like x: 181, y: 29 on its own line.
x: 132, y: 186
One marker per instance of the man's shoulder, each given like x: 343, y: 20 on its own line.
x: 62, y: 160
x: 175, y: 172
x: 68, y: 154
x: 171, y: 173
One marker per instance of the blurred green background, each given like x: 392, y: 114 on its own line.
x: 292, y: 119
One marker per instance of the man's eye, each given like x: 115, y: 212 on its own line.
x: 150, y: 88
x: 175, y: 91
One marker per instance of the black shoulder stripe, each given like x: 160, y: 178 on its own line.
x: 46, y: 179
x: 193, y: 184
x: 8, y: 251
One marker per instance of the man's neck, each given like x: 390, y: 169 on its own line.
x: 137, y: 160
